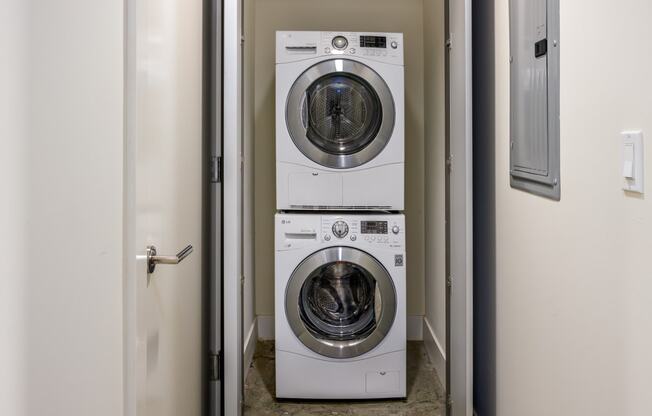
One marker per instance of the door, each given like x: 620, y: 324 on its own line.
x: 165, y: 179
x: 340, y: 113
x: 459, y: 210
x: 340, y: 302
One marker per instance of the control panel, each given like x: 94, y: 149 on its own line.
x: 300, y: 45
x: 362, y: 44
x: 387, y: 230
x: 305, y: 230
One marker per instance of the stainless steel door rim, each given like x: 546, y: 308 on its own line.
x: 298, y: 131
x: 330, y: 347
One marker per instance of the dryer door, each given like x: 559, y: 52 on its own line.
x: 340, y: 302
x: 340, y: 113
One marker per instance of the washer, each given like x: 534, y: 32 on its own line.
x: 340, y: 316
x: 339, y: 121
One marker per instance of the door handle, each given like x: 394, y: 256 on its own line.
x: 153, y: 259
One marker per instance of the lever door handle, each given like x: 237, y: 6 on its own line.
x: 153, y: 259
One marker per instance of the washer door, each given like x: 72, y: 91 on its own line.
x: 340, y: 113
x: 340, y: 302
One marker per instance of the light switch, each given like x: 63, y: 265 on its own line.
x: 628, y: 161
x: 632, y: 161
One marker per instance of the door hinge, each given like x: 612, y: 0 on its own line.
x: 449, y: 282
x: 216, y: 169
x: 449, y: 402
x: 215, y: 366
x: 449, y: 41
x: 449, y: 163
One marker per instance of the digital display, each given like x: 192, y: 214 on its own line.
x: 373, y: 41
x: 373, y: 227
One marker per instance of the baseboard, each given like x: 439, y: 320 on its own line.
x: 249, y: 347
x: 415, y: 327
x: 435, y: 350
x: 265, y: 327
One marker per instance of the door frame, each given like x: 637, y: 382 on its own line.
x: 232, y: 184
x: 214, y: 134
x: 459, y: 206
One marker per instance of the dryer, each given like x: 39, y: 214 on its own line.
x: 340, y: 308
x: 339, y: 121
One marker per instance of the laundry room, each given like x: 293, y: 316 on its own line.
x: 408, y: 178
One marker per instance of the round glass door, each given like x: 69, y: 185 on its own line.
x: 340, y: 113
x: 340, y: 302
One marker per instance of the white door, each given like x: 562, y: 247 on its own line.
x: 459, y: 211
x: 165, y: 180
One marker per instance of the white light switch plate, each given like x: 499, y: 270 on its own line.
x: 632, y: 161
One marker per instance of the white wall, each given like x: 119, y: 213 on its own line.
x: 14, y: 242
x: 574, y: 278
x: 61, y: 131
x: 435, y: 177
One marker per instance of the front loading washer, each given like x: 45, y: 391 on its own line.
x: 340, y: 308
x: 339, y: 121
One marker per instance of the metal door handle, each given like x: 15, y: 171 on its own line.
x: 153, y: 259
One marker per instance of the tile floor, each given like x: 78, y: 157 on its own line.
x: 425, y: 392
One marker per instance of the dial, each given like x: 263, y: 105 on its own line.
x: 395, y: 229
x: 340, y: 229
x: 340, y: 42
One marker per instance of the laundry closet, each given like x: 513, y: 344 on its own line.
x: 420, y: 24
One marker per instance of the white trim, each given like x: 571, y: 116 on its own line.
x: 435, y: 350
x: 460, y: 208
x: 265, y: 327
x: 415, y: 327
x: 250, y: 347
x: 232, y: 197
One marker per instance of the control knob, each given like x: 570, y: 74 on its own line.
x: 340, y: 42
x: 340, y: 229
x: 395, y: 229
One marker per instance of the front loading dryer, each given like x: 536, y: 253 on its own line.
x: 339, y: 121
x: 340, y: 308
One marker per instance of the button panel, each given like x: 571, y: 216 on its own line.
x: 349, y: 43
x: 380, y: 230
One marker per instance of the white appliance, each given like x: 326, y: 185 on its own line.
x: 339, y: 121
x: 340, y: 306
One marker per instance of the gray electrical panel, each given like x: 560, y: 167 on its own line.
x: 534, y: 96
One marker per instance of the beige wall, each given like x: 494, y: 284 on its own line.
x: 435, y: 175
x: 248, y: 306
x: 574, y: 278
x: 360, y: 15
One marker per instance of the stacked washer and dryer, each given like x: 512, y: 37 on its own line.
x: 340, y: 280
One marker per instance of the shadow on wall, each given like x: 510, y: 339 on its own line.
x: 484, y: 215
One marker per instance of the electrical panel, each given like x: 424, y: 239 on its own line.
x: 534, y: 96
